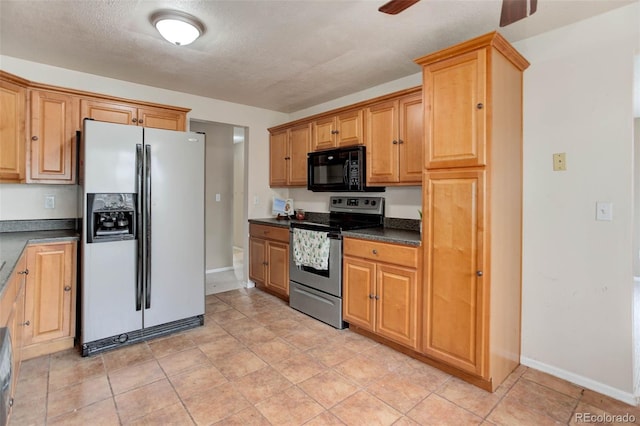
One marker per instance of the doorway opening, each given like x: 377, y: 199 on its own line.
x: 225, y: 205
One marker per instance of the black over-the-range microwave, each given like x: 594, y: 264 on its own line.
x: 339, y: 170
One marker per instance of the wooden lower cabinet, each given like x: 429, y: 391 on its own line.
x: 380, y: 295
x: 12, y: 316
x: 269, y: 258
x: 455, y: 299
x: 50, y: 298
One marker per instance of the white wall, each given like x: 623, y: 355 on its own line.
x: 19, y: 201
x: 577, y: 296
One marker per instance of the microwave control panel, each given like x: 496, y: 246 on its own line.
x: 354, y: 173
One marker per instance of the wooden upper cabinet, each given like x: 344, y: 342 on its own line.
x: 278, y: 148
x: 288, y: 150
x: 136, y: 115
x: 454, y: 301
x: 299, y: 147
x: 111, y: 112
x: 456, y: 111
x: 52, y: 139
x: 159, y: 118
x: 394, y: 136
x: 13, y: 112
x: 343, y: 129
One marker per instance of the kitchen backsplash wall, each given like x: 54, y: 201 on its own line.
x: 401, y: 202
x: 19, y: 201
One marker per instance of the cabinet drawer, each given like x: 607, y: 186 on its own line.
x: 383, y: 252
x: 269, y: 232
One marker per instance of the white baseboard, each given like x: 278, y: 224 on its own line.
x: 216, y: 270
x: 579, y: 380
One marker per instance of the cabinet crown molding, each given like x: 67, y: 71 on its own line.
x: 492, y: 39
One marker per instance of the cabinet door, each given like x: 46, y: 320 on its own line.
x: 382, y: 142
x: 455, y: 300
x: 359, y: 291
x: 324, y: 131
x: 49, y: 295
x: 54, y: 121
x: 410, y: 139
x: 349, y: 128
x: 455, y: 111
x: 278, y: 267
x: 12, y: 132
x: 299, y: 147
x: 278, y: 143
x: 158, y: 118
x: 257, y: 260
x: 397, y: 298
x: 111, y: 112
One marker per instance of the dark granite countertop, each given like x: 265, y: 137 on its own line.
x: 12, y: 245
x: 395, y: 230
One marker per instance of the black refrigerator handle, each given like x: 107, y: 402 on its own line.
x: 139, y: 228
x: 147, y: 212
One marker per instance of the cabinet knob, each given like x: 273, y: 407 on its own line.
x: 479, y: 273
x: 135, y: 120
x: 67, y: 288
x: 374, y: 251
x: 265, y: 263
x: 27, y: 323
x: 377, y: 297
x: 140, y: 121
x: 287, y: 158
x: 34, y: 138
x: 371, y: 296
x: 334, y: 132
x: 25, y: 272
x: 480, y: 105
x: 400, y: 141
x: 395, y: 142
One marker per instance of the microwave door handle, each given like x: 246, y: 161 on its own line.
x: 345, y: 173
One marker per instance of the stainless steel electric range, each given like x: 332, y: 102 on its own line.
x: 317, y: 292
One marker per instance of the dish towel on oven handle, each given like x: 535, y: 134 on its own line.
x: 311, y: 248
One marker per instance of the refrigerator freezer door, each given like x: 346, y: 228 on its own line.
x: 110, y: 157
x: 177, y: 226
x: 109, y: 290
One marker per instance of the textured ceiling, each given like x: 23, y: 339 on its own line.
x: 279, y: 55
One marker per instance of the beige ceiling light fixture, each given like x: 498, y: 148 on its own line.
x: 177, y: 27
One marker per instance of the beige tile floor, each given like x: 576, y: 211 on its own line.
x: 258, y: 362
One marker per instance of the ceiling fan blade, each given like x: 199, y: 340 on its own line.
x: 512, y: 11
x: 394, y: 7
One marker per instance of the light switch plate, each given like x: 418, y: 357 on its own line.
x: 49, y: 201
x: 604, y: 211
x: 559, y: 162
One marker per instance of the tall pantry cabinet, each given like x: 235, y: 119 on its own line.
x: 472, y: 204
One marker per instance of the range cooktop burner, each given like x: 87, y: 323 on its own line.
x: 348, y: 213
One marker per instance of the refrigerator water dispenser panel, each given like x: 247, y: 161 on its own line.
x: 111, y: 217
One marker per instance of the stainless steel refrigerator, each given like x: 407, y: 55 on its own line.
x: 143, y: 265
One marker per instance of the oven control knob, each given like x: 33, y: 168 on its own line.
x: 335, y: 201
x: 366, y: 202
x: 373, y: 202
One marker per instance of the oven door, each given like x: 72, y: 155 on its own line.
x: 328, y: 281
